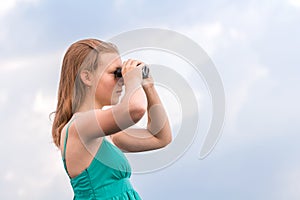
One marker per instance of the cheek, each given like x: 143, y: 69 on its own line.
x: 105, y: 86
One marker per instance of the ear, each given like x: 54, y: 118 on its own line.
x: 86, y: 77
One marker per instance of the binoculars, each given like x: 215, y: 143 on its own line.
x: 145, y: 72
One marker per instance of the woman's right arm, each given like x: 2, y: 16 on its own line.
x: 98, y: 123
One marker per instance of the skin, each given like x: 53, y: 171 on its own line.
x: 91, y: 123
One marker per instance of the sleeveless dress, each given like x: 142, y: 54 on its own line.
x: 107, y: 177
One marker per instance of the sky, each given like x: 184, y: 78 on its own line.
x: 253, y: 44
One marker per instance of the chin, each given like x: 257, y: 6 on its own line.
x: 113, y: 102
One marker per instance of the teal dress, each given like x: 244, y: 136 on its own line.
x: 107, y: 177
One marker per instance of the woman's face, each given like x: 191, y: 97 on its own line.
x: 108, y: 86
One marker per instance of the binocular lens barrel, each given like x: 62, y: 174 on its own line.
x: 145, y: 72
x: 118, y: 72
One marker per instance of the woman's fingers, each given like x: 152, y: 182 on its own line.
x: 130, y: 64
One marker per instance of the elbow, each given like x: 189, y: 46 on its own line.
x: 167, y: 140
x: 168, y: 135
x: 137, y: 112
x: 137, y: 107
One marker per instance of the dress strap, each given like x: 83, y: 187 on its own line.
x: 65, y: 145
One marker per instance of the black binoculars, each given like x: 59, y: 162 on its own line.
x: 145, y: 72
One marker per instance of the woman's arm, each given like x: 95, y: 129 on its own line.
x: 158, y: 133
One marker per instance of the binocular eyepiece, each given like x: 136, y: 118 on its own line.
x: 145, y: 72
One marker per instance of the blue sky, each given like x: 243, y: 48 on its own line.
x: 253, y: 44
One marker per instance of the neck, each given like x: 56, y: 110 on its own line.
x: 89, y: 103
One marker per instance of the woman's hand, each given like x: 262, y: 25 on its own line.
x: 132, y: 70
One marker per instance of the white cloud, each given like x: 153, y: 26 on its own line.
x: 43, y: 103
x: 3, y: 98
x: 12, y: 65
x: 295, y: 3
x: 8, y: 5
x: 232, y: 38
x: 233, y: 25
x: 15, y: 64
x: 237, y: 97
x: 120, y: 5
x: 237, y: 34
x: 289, y: 180
x: 9, y: 176
x: 21, y: 192
x: 208, y: 35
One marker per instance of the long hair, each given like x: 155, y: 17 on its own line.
x: 83, y: 54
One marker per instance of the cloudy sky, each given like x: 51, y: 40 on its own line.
x: 255, y: 48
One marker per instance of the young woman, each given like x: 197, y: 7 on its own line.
x: 92, y: 139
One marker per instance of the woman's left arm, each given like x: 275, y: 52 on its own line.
x: 158, y: 133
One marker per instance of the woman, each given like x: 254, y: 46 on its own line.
x: 92, y: 139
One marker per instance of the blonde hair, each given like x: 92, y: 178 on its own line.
x: 83, y: 54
